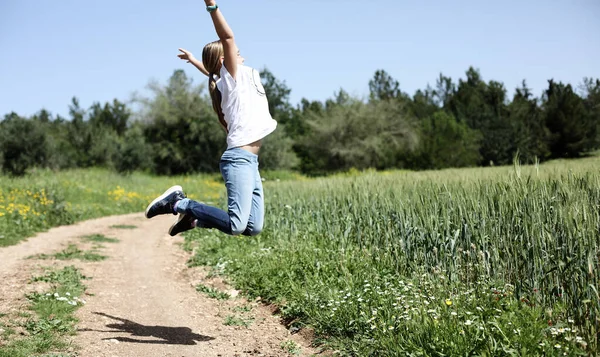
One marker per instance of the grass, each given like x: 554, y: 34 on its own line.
x: 46, y: 199
x: 497, y: 261
x: 99, y: 238
x: 243, y: 309
x: 72, y: 252
x: 291, y: 347
x: 212, y: 292
x: 123, y: 226
x: 54, y: 318
x: 483, y: 261
x: 233, y: 320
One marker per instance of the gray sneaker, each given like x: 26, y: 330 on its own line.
x: 164, y: 204
x: 184, y: 223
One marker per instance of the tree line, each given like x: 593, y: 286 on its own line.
x: 454, y: 124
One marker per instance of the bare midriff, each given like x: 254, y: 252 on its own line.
x: 253, y: 147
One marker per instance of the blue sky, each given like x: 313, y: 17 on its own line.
x: 51, y: 51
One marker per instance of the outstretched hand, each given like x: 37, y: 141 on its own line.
x: 189, y: 57
x: 186, y: 55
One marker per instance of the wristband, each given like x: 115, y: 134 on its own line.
x: 212, y: 8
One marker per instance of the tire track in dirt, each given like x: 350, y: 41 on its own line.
x: 143, y: 301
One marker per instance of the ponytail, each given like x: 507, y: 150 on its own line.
x: 215, y: 95
x: 211, y: 59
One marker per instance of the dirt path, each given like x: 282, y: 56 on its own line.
x: 144, y: 301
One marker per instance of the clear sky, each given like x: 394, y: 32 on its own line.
x: 51, y: 51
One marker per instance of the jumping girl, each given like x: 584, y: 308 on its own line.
x: 239, y: 99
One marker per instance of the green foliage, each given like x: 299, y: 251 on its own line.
x: 30, y: 208
x: 352, y: 134
x: 55, y: 315
x: 182, y: 128
x: 45, y: 199
x: 176, y: 131
x: 482, y: 107
x: 22, y: 144
x: 114, y: 117
x: 72, y: 252
x: 233, y: 320
x: 291, y: 347
x: 133, y: 152
x: 100, y: 238
x: 529, y: 133
x: 212, y: 292
x: 123, y: 226
x: 89, y: 142
x: 572, y: 132
x: 277, y: 152
x: 383, y: 86
x: 445, y: 143
x: 591, y: 90
x: 278, y: 95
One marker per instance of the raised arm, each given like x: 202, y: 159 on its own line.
x: 226, y: 36
x: 189, y: 57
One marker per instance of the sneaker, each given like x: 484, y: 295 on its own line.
x: 164, y: 203
x: 183, y: 223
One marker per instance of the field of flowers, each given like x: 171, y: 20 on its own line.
x: 47, y: 199
x: 497, y: 261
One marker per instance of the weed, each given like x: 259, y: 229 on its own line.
x: 290, y: 347
x: 242, y: 309
x: 54, y: 315
x: 123, y: 226
x: 99, y: 238
x: 212, y: 292
x: 232, y: 320
x: 72, y: 252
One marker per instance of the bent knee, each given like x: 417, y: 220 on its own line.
x: 248, y: 229
x: 237, y: 229
x: 253, y: 231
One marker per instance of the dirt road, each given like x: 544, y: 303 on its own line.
x: 142, y: 299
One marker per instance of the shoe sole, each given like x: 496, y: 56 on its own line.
x: 179, y: 219
x: 163, y: 196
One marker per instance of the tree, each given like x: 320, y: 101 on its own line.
x: 383, y: 86
x: 424, y: 103
x: 572, y: 131
x: 591, y: 101
x: 483, y: 107
x: 528, y: 131
x: 22, y: 144
x: 114, y: 116
x: 444, y: 91
x: 354, y: 134
x: 445, y: 142
x: 91, y: 142
x: 297, y: 125
x: 132, y: 153
x: 181, y: 127
x: 276, y: 152
x: 278, y: 95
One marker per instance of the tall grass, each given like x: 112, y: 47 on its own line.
x: 495, y: 261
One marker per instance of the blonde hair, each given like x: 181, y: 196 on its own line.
x: 211, y: 59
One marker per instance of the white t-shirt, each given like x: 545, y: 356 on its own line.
x: 245, y: 106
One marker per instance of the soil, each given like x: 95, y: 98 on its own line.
x: 142, y: 300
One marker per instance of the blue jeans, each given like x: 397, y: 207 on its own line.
x: 245, y: 200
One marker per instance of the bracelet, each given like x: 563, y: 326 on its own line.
x: 212, y: 8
